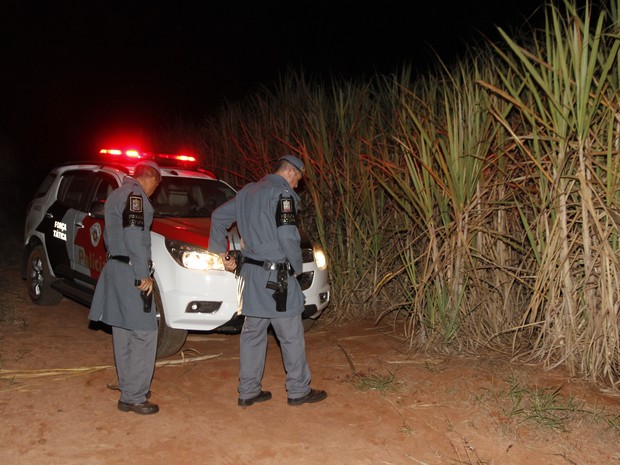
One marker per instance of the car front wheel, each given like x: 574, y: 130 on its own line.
x: 308, y: 323
x: 169, y: 340
x: 39, y: 279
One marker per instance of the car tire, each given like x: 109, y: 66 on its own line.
x: 169, y: 340
x: 308, y: 324
x: 39, y: 279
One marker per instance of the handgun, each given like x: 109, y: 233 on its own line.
x: 147, y: 299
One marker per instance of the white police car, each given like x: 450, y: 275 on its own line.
x: 64, y: 250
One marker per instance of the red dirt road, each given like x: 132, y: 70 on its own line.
x: 435, y: 410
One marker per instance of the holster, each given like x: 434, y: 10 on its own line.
x: 147, y: 300
x: 280, y: 287
x: 238, y: 260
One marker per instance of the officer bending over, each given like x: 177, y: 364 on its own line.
x: 269, y: 293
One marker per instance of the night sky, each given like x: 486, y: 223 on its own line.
x: 77, y: 72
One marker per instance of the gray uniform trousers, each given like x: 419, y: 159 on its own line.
x: 134, y: 353
x: 253, y: 350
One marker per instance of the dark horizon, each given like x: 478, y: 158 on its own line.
x: 76, y: 70
x: 81, y: 75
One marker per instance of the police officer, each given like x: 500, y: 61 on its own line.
x: 269, y: 293
x: 117, y: 300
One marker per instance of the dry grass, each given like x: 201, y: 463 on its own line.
x: 11, y: 377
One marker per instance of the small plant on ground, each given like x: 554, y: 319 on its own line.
x: 373, y: 382
x: 544, y: 405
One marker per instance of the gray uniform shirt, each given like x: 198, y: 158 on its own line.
x: 117, y: 300
x: 254, y: 211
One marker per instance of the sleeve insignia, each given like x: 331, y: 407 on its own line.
x: 286, y: 214
x: 287, y: 206
x: 135, y: 204
x: 133, y: 215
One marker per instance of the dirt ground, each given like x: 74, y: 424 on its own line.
x: 385, y: 406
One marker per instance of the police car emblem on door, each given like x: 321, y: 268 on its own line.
x: 95, y: 234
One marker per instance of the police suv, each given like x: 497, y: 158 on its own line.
x: 64, y: 251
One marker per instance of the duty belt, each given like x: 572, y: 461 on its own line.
x: 120, y: 258
x: 268, y: 265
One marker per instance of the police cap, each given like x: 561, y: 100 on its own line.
x: 151, y: 164
x: 293, y: 160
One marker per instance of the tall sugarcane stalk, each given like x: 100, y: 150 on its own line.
x: 476, y: 204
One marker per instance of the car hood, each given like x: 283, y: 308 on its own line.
x: 191, y: 230
x: 196, y: 231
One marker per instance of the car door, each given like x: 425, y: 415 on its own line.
x: 59, y: 222
x: 89, y: 252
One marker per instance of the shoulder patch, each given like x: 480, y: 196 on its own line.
x: 135, y: 204
x: 133, y: 215
x: 286, y: 214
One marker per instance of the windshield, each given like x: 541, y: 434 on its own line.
x: 189, y: 197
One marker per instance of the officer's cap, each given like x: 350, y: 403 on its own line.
x: 150, y: 164
x: 296, y: 162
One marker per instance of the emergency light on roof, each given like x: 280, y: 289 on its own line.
x: 186, y: 158
x: 134, y: 154
x: 119, y: 153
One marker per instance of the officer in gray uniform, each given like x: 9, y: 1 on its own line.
x: 268, y: 291
x: 123, y: 295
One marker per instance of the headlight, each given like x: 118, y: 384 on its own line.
x: 193, y: 257
x: 319, y: 258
